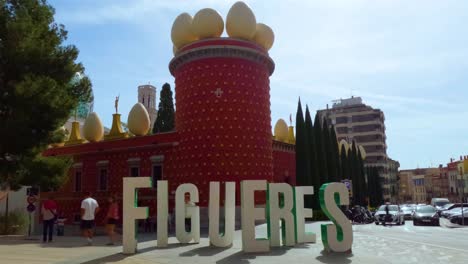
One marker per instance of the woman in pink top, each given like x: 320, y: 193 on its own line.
x: 111, y: 218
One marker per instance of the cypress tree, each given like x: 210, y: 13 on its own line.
x: 344, y: 163
x: 301, y: 148
x: 335, y: 154
x: 361, y: 177
x: 378, y: 187
x: 319, y: 149
x: 328, y: 152
x: 353, y: 174
x: 313, y: 176
x: 165, y: 120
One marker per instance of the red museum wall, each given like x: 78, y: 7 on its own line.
x: 223, y: 125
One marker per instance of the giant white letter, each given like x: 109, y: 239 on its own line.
x: 336, y: 237
x: 216, y: 239
x: 279, y: 212
x: 250, y: 214
x: 301, y: 213
x: 187, y: 211
x: 131, y: 211
x: 162, y: 206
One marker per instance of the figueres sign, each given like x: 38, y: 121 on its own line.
x: 285, y: 204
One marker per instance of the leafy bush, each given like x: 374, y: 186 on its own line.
x: 17, y: 223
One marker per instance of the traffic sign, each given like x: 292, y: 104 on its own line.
x: 31, y: 208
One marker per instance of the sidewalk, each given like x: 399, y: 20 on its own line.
x: 372, y: 244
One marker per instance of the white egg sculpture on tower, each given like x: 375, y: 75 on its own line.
x: 181, y: 33
x: 281, y: 130
x: 241, y: 22
x: 138, y: 120
x: 93, y: 131
x: 207, y: 23
x: 264, y: 36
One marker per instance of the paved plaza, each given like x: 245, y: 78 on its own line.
x: 372, y: 244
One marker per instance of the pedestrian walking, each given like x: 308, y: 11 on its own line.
x: 112, y: 218
x: 89, y: 209
x: 49, y: 215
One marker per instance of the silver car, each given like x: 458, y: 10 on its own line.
x: 395, y: 215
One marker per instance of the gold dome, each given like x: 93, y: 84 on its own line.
x: 174, y: 50
x: 345, y: 144
x: 207, y: 23
x: 138, y: 120
x: 363, y: 152
x: 241, y: 22
x: 264, y: 36
x: 281, y: 131
x: 93, y: 131
x: 181, y: 33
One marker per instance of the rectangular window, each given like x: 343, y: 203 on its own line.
x: 77, y: 181
x: 134, y: 171
x: 103, y: 179
x: 157, y: 173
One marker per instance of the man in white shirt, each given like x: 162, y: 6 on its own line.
x: 89, y: 209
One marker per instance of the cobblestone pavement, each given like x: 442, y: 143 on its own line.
x: 372, y: 244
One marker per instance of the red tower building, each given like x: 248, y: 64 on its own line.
x: 223, y: 112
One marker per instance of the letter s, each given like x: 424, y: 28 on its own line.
x: 336, y: 237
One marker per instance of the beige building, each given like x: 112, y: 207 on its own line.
x: 417, y: 185
x: 406, y: 187
x: 419, y: 191
x: 356, y: 121
x: 147, y: 97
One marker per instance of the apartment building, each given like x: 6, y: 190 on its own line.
x: 358, y: 122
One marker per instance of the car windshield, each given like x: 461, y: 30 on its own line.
x: 407, y: 208
x: 441, y: 203
x: 390, y: 208
x: 425, y: 209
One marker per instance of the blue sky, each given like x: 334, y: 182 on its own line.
x: 408, y: 58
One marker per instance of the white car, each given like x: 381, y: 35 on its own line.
x: 395, y: 215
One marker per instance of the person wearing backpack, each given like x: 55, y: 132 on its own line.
x: 49, y: 215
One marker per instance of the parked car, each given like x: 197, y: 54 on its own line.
x: 454, y: 211
x: 395, y: 215
x: 408, y: 211
x: 450, y: 207
x: 439, y: 202
x: 426, y: 214
x: 457, y: 218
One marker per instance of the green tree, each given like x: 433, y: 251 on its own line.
x: 344, y: 163
x: 313, y: 176
x: 319, y: 150
x: 352, y: 156
x: 335, y: 155
x: 302, y: 164
x: 331, y: 167
x: 361, y: 178
x: 165, y: 120
x: 38, y: 91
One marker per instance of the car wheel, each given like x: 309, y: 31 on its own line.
x: 403, y: 222
x: 376, y: 223
x: 415, y: 222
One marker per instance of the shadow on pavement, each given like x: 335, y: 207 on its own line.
x: 120, y: 256
x: 207, y: 251
x: 338, y: 258
x: 243, y: 258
